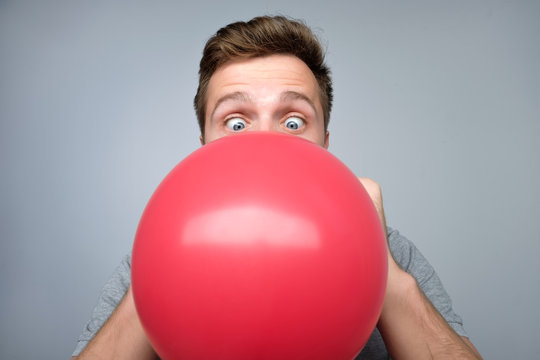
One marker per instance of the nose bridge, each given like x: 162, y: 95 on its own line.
x: 265, y: 121
x: 266, y: 113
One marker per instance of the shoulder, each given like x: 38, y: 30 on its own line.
x: 409, y: 258
x: 111, y: 295
x: 402, y: 249
x: 412, y: 261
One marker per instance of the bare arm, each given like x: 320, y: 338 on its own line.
x: 413, y: 329
x: 121, y: 337
x: 410, y: 325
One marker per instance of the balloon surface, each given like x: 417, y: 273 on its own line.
x: 259, y: 246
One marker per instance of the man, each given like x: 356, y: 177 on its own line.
x: 269, y: 75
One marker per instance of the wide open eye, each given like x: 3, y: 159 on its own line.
x: 293, y: 123
x: 236, y: 124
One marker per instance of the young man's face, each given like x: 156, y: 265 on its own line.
x: 272, y: 93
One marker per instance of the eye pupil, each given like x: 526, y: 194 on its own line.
x: 294, y: 123
x: 236, y: 124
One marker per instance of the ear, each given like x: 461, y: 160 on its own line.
x: 327, y: 140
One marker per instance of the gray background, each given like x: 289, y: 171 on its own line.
x: 437, y: 100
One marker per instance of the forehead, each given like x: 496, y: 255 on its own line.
x: 266, y: 75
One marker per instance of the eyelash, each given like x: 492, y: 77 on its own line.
x: 234, y: 116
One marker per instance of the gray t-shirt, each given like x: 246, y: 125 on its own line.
x: 403, y: 250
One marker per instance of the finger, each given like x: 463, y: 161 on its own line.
x: 374, y: 191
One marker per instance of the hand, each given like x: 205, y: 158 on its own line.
x: 411, y: 327
x: 374, y: 191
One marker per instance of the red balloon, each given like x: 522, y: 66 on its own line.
x: 259, y: 246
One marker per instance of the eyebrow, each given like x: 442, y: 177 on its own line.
x: 293, y: 95
x: 235, y: 96
x: 244, y: 97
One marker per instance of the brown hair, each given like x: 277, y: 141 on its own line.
x: 262, y: 36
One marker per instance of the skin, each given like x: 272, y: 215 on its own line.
x: 280, y: 93
x: 265, y: 94
x: 250, y: 94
